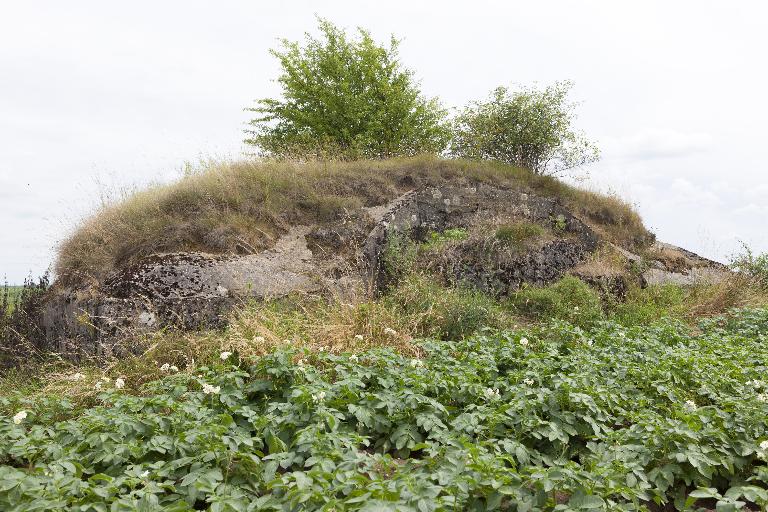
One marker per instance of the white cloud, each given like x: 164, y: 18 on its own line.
x: 656, y: 143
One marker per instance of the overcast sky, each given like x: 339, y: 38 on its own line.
x: 101, y: 95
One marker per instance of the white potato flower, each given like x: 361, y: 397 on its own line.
x: 261, y: 339
x: 19, y: 417
x: 353, y: 358
x: 390, y: 332
x: 764, y: 445
x: 144, y: 474
x: 166, y: 367
x: 492, y: 394
x: 119, y: 383
x: 524, y: 341
x: 208, y: 389
x: 98, y: 385
x: 690, y: 405
x: 318, y: 397
x: 359, y: 337
x: 416, y: 363
x: 174, y: 368
x: 225, y: 355
x: 528, y: 382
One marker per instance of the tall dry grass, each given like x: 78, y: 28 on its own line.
x: 242, y: 207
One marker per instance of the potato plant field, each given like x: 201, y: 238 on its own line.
x: 659, y: 417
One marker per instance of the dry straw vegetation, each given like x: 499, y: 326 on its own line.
x: 243, y: 206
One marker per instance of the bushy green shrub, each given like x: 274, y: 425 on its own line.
x: 346, y: 98
x: 751, y: 265
x: 568, y: 299
x: 530, y: 128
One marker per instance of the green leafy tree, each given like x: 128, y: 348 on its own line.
x: 531, y: 128
x: 346, y: 97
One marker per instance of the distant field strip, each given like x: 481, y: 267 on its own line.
x: 12, y: 292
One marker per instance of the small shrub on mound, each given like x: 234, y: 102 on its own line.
x: 568, y: 299
x: 753, y: 266
x: 555, y: 418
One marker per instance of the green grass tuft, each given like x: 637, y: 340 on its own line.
x: 569, y: 299
x: 518, y: 233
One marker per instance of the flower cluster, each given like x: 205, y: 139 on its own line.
x: 169, y: 368
x: 209, y: 389
x: 524, y: 341
x: 492, y: 393
x: 19, y: 417
x: 119, y: 383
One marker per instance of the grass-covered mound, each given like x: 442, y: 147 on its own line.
x: 546, y: 418
x: 242, y: 207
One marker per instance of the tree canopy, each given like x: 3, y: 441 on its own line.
x: 530, y: 127
x: 346, y: 97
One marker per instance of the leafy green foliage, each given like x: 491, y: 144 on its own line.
x: 346, y: 98
x: 552, y: 418
x: 530, y: 128
x: 753, y: 266
x: 568, y: 299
